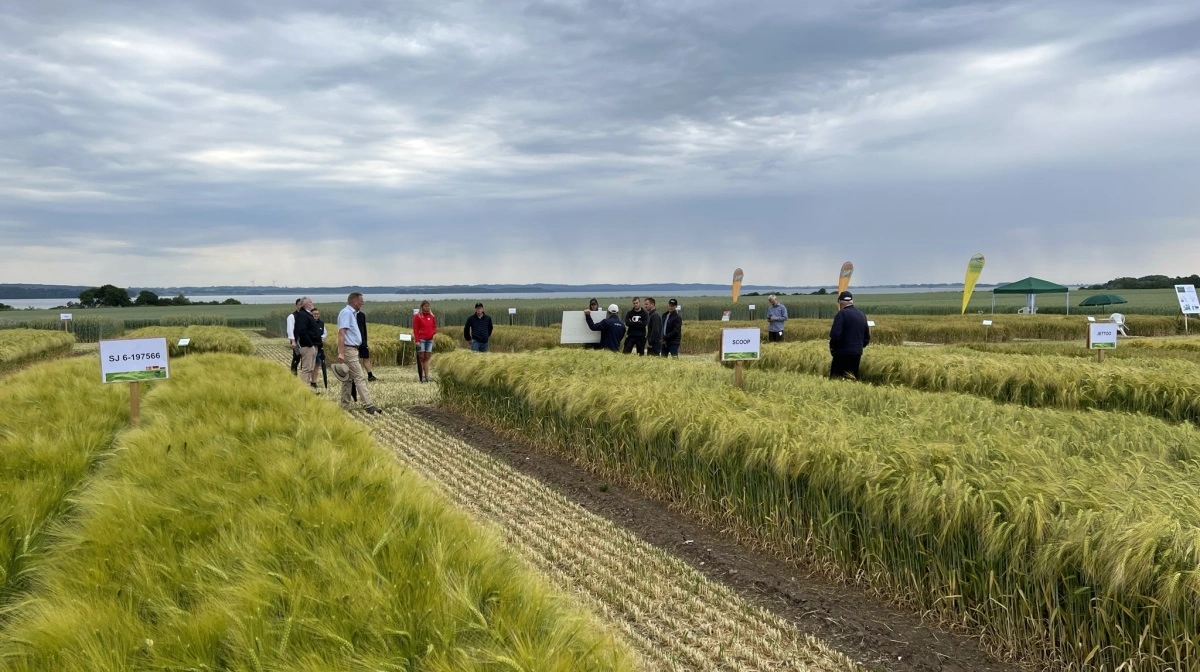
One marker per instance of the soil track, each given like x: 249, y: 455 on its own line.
x: 846, y: 618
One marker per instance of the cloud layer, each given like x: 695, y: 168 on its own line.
x: 561, y: 141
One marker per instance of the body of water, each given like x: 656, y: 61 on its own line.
x: 380, y: 298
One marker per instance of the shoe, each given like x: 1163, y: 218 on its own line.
x: 313, y: 386
x: 373, y: 409
x: 371, y: 377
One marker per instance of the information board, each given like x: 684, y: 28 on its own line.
x: 64, y: 316
x: 132, y: 360
x: 575, y: 328
x: 1188, y: 302
x: 740, y: 344
x: 1102, y: 335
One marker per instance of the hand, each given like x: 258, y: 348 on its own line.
x: 341, y: 356
x: 587, y: 311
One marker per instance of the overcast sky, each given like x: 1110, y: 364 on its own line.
x: 381, y: 142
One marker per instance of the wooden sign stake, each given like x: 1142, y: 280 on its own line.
x: 135, y: 389
x: 737, y: 374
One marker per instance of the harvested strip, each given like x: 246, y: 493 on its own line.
x: 253, y: 526
x: 58, y: 421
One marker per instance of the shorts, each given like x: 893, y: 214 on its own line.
x: 425, y: 346
x: 364, y: 352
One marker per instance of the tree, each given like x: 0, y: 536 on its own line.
x: 146, y: 298
x: 105, y: 295
x: 231, y: 302
x: 5, y: 306
x: 180, y: 300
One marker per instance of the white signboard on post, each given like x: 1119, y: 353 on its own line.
x: 575, y: 328
x: 1102, y: 335
x: 64, y: 316
x: 1188, y: 302
x: 133, y: 360
x: 512, y: 311
x: 740, y: 344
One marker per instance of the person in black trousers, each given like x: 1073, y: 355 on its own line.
x: 636, y: 321
x: 654, y: 331
x: 611, y: 328
x: 672, y: 327
x: 478, y: 330
x: 847, y: 338
x: 594, y: 307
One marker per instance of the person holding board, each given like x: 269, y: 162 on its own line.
x: 611, y: 328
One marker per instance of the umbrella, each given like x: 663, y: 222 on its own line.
x: 324, y: 371
x: 1102, y: 300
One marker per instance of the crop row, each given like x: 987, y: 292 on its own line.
x: 257, y: 527
x: 19, y: 347
x: 1065, y: 536
x: 1170, y: 391
x: 201, y: 339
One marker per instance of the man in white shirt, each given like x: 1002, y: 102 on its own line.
x: 291, y: 334
x: 349, y: 338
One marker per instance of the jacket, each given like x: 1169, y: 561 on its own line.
x: 424, y: 326
x: 611, y: 329
x: 361, y: 317
x: 308, y: 332
x: 850, y: 333
x: 635, y: 323
x: 654, y: 327
x: 779, y: 312
x: 478, y: 328
x: 672, y: 327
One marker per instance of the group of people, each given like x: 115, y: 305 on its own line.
x: 643, y: 328
x: 306, y: 334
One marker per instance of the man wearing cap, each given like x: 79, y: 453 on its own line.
x: 847, y: 338
x: 611, y: 328
x: 672, y: 330
x: 776, y: 316
x: 478, y: 329
x: 348, y: 340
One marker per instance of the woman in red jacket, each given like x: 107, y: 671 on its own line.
x: 424, y: 327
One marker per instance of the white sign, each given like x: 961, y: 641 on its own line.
x: 870, y: 323
x: 416, y: 310
x: 184, y: 342
x: 1188, y: 302
x: 1091, y: 319
x: 725, y: 316
x: 987, y: 323
x: 575, y: 328
x: 740, y: 344
x: 64, y: 316
x: 512, y: 311
x: 133, y: 360
x: 752, y: 306
x: 1102, y: 335
x: 406, y: 337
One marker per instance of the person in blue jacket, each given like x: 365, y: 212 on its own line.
x: 611, y: 328
x: 847, y: 338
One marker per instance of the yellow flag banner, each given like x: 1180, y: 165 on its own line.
x: 974, y: 268
x: 737, y: 283
x: 844, y: 277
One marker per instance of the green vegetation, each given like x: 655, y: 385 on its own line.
x: 249, y: 525
x: 19, y: 347
x: 1148, y: 282
x: 203, y: 339
x: 1065, y: 536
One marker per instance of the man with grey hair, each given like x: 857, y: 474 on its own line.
x: 308, y: 337
x: 776, y: 316
x: 348, y: 340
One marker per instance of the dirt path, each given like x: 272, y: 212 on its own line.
x: 685, y: 597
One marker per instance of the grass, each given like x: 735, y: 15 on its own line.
x: 19, y: 347
x: 203, y: 339
x: 58, y: 421
x: 255, y: 527
x: 1064, y: 537
x: 1168, y: 392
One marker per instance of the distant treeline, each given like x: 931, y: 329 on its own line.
x: 111, y: 296
x: 1148, y: 282
x: 8, y: 291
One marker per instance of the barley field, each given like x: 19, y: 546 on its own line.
x: 19, y: 347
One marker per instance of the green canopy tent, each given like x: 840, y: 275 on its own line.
x: 1031, y: 287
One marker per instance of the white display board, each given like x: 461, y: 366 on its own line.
x: 64, y: 316
x: 575, y: 328
x: 1102, y: 335
x: 752, y: 306
x: 870, y: 323
x: 740, y: 344
x: 1188, y: 302
x: 406, y: 337
x: 133, y: 360
x: 512, y: 311
x: 987, y: 323
x: 184, y: 342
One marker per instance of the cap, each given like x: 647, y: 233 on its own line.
x: 479, y: 305
x: 613, y: 308
x: 846, y: 296
x: 672, y: 302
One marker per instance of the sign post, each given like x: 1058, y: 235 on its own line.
x: 66, y: 319
x: 739, y: 345
x: 1188, y: 302
x: 512, y: 315
x: 132, y: 361
x: 987, y: 328
x: 751, y: 306
x: 1102, y: 336
x: 404, y: 339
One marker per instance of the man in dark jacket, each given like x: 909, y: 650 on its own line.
x: 635, y: 325
x: 849, y: 335
x: 653, y: 328
x: 611, y: 328
x: 672, y: 327
x: 308, y: 337
x: 478, y: 329
x: 594, y: 306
